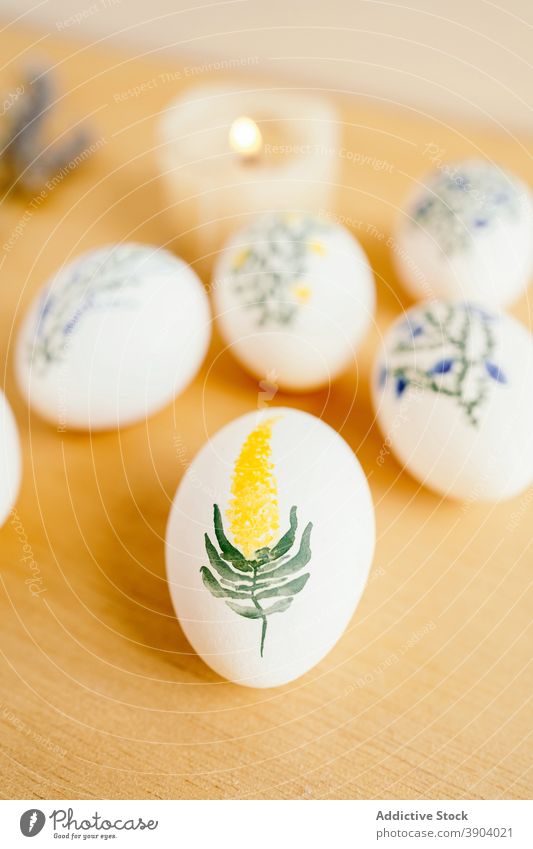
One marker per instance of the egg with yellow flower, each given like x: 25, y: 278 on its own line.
x: 269, y: 545
x: 294, y: 296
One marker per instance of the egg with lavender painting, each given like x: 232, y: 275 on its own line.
x: 113, y: 337
x: 452, y: 394
x: 268, y: 546
x: 294, y: 296
x: 10, y: 461
x: 467, y: 232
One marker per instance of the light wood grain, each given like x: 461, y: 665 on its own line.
x: 427, y: 693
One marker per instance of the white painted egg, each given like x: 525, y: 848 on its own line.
x: 114, y: 336
x: 467, y: 233
x: 269, y: 544
x: 452, y: 393
x: 10, y: 460
x: 294, y: 296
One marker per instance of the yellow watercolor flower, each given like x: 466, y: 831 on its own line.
x: 317, y: 248
x: 253, y: 510
x: 302, y: 292
x: 241, y: 258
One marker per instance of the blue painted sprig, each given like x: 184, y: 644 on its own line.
x: 103, y: 279
x: 465, y: 335
x: 461, y: 202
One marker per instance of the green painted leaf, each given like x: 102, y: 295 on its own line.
x: 219, y: 566
x: 211, y: 583
x: 251, y: 582
x: 254, y: 613
x: 287, y: 540
x: 288, y: 589
x: 229, y: 552
x: 279, y: 606
x: 300, y: 559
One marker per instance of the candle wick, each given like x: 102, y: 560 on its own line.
x: 248, y: 159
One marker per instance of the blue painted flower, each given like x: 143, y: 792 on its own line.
x: 401, y: 385
x: 382, y: 377
x: 495, y: 372
x: 479, y: 311
x: 70, y: 325
x: 442, y: 367
x: 413, y: 329
x: 421, y: 208
x: 75, y: 319
x: 45, y: 307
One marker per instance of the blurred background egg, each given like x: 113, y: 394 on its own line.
x: 294, y: 296
x: 113, y: 337
x: 10, y: 460
x: 269, y: 545
x: 467, y: 233
x: 452, y: 394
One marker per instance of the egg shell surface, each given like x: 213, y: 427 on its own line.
x: 452, y: 394
x: 290, y: 498
x: 113, y: 337
x: 467, y: 233
x: 293, y: 296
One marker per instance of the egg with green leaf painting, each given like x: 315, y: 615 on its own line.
x: 294, y: 296
x: 269, y: 545
x: 452, y: 393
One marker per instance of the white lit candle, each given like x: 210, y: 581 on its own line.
x: 227, y: 154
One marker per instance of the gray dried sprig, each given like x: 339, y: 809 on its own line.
x: 27, y: 159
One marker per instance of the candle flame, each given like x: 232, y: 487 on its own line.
x: 245, y: 137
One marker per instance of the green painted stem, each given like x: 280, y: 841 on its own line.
x: 263, y: 633
x: 263, y: 617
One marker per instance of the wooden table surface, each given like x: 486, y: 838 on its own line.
x: 426, y: 695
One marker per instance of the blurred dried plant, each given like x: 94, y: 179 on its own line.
x: 27, y: 157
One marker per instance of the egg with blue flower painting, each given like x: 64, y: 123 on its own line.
x: 467, y: 233
x: 268, y: 546
x: 452, y: 394
x: 113, y: 337
x: 294, y: 296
